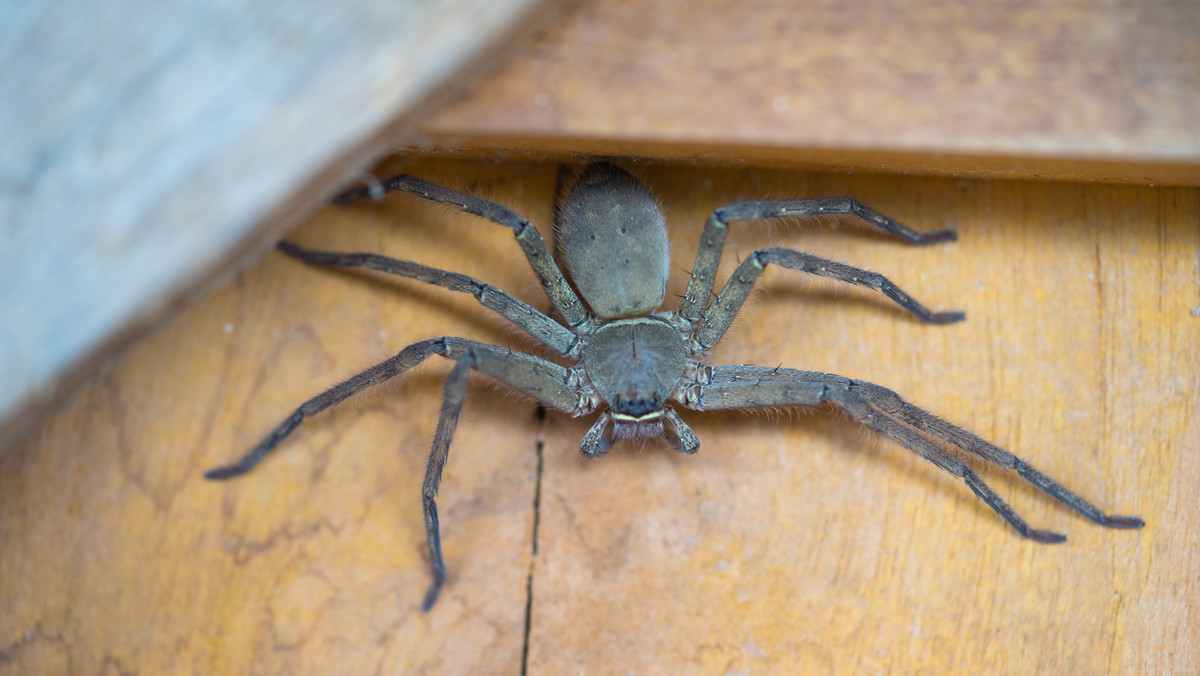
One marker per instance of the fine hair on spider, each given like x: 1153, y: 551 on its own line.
x: 631, y: 361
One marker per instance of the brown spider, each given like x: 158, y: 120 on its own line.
x: 632, y: 361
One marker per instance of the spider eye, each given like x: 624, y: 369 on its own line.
x: 637, y: 407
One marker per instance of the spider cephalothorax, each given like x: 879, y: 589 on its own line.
x: 633, y: 362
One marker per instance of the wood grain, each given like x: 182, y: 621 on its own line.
x: 1005, y: 88
x: 790, y: 543
x: 148, y: 148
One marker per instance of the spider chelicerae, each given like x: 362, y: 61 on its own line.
x: 632, y: 362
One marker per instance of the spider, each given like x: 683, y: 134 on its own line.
x: 633, y: 362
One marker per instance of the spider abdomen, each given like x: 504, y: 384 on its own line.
x: 613, y: 240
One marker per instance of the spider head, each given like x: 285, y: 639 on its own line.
x: 635, y: 365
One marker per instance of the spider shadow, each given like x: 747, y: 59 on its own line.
x: 804, y: 233
x: 829, y: 296
x: 834, y: 427
x: 491, y: 324
x: 827, y: 423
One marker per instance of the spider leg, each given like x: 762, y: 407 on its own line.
x: 452, y: 401
x: 540, y: 379
x: 562, y: 297
x: 699, y: 287
x: 927, y: 422
x: 536, y: 324
x: 880, y: 409
x: 720, y: 314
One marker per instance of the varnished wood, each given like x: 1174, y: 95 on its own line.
x: 1021, y: 88
x: 792, y: 543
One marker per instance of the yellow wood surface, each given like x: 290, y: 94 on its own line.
x: 790, y: 543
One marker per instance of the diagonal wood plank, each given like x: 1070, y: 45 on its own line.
x: 149, y: 146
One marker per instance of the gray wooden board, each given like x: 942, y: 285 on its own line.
x: 145, y: 145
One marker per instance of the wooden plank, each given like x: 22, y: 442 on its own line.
x: 1101, y: 91
x: 147, y: 147
x: 796, y: 544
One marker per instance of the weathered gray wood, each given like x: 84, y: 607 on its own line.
x: 146, y: 145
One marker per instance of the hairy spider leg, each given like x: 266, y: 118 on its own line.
x: 562, y: 297
x: 712, y: 241
x: 746, y: 387
x: 544, y: 329
x: 720, y: 314
x: 935, y: 426
x: 452, y: 402
x: 540, y: 379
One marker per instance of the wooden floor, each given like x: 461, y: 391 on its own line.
x: 789, y: 544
